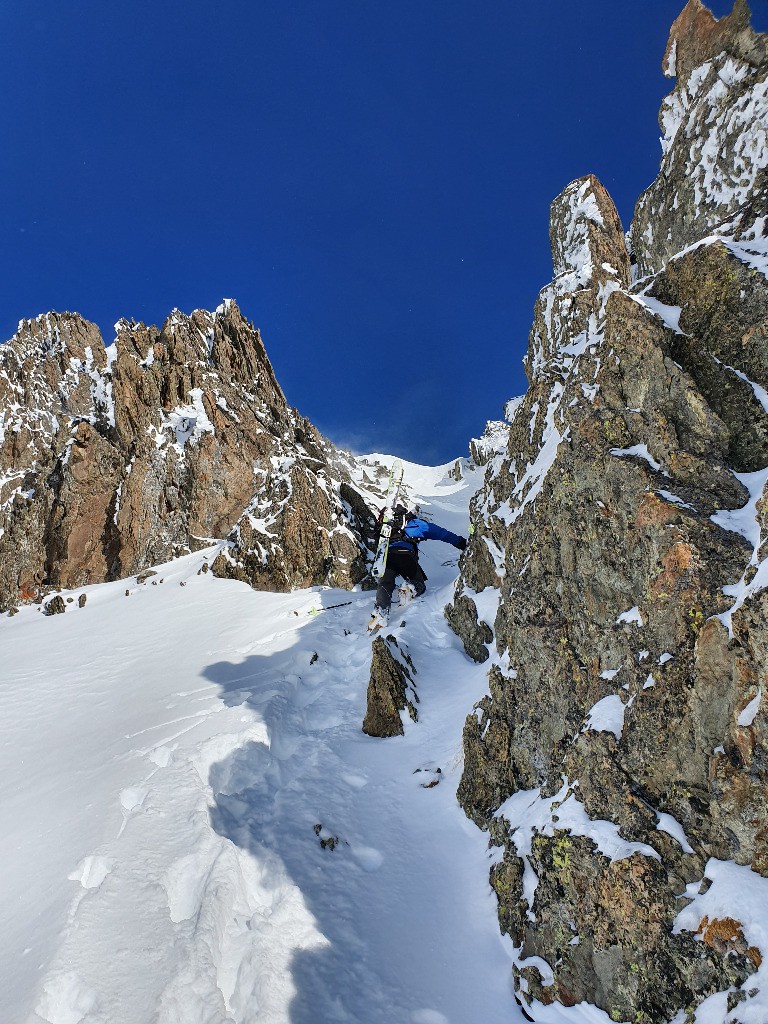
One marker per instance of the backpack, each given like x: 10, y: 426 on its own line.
x: 400, y: 517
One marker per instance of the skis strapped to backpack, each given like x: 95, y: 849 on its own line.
x: 393, y: 494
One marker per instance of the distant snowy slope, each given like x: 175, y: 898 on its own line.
x: 177, y: 766
x: 425, y: 481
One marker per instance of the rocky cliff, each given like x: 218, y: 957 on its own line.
x: 113, y: 459
x: 615, y: 581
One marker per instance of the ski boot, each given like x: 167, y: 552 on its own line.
x: 379, y: 620
x: 405, y: 594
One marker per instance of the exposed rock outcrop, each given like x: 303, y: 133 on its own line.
x: 391, y: 689
x: 714, y: 169
x: 56, y: 606
x: 620, y: 758
x: 494, y: 439
x: 115, y: 459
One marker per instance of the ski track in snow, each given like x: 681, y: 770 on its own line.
x: 167, y: 760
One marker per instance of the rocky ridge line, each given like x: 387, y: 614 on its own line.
x: 115, y: 459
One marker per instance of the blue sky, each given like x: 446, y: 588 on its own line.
x: 371, y: 182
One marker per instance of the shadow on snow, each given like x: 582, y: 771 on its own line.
x: 269, y: 800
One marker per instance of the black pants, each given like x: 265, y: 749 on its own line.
x: 400, y: 562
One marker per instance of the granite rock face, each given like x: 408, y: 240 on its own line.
x: 616, y: 579
x: 115, y: 459
x: 391, y: 689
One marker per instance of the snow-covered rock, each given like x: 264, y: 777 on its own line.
x: 714, y: 138
x: 391, y: 689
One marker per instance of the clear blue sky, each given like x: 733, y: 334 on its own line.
x: 370, y: 181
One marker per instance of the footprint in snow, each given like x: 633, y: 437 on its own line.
x: 66, y: 998
x: 161, y: 756
x: 132, y: 799
x: 92, y: 871
x: 284, y: 744
x: 355, y: 781
x: 185, y: 882
x: 368, y: 858
x: 304, y: 699
x: 324, y: 722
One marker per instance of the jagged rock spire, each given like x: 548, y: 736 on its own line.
x: 697, y: 36
x: 714, y: 172
x: 585, y: 231
x: 113, y: 460
x: 623, y: 615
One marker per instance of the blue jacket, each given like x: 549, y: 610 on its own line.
x: 419, y: 529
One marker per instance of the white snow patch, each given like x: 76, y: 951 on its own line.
x: 631, y: 616
x: 607, y: 715
x: 739, y: 893
x: 528, y: 814
x: 511, y: 408
x: 189, y: 422
x: 666, y: 823
x: 759, y: 392
x: 670, y: 66
x: 744, y: 521
x: 669, y: 315
x: 528, y: 488
x: 748, y: 715
x: 674, y: 499
x: 639, y: 451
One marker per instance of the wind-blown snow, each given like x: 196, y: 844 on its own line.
x: 749, y: 714
x: 759, y: 392
x: 638, y: 451
x: 666, y: 823
x: 631, y: 616
x: 669, y: 315
x: 529, y: 486
x: 189, y: 422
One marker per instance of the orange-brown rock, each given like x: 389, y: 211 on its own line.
x: 115, y: 459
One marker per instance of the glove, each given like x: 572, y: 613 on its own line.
x: 462, y: 543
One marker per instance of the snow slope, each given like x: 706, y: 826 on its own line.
x: 166, y: 759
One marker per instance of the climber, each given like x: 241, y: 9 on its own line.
x: 403, y: 559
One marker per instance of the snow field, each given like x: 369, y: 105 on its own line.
x: 195, y: 828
